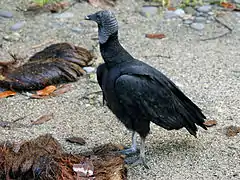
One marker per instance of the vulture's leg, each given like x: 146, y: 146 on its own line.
x: 142, y: 153
x: 133, y: 148
x: 138, y: 160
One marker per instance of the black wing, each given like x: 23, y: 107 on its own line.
x: 146, y: 98
x: 101, y: 77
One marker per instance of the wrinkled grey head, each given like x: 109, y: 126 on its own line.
x: 107, y: 24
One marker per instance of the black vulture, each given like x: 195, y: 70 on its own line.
x: 138, y: 93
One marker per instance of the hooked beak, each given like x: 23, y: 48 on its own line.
x: 91, y: 17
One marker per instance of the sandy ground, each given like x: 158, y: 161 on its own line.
x: 207, y: 71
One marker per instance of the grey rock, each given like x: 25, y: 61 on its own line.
x: 17, y: 26
x: 12, y: 37
x: 211, y: 18
x: 205, y: 15
x: 189, y: 10
x: 170, y: 15
x: 76, y: 29
x: 6, y: 14
x: 199, y: 14
x: 205, y: 8
x: 64, y: 15
x: 174, y: 14
x: 179, y: 12
x: 208, y: 21
x: 200, y: 19
x: 148, y: 11
x: 236, y: 1
x: 188, y: 21
x: 210, y: 13
x: 197, y: 26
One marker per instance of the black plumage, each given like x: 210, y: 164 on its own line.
x: 138, y: 93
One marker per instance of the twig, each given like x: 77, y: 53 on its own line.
x: 222, y: 35
x: 20, y: 118
x: 43, y: 44
x: 88, y: 94
x: 158, y: 55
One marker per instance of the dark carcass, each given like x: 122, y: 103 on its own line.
x: 58, y: 63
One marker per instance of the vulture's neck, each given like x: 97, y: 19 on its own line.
x: 112, y: 51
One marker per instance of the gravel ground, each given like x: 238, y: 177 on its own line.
x: 207, y: 71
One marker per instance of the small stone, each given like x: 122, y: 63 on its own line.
x: 204, y: 15
x: 210, y: 13
x: 187, y: 16
x: 148, y: 11
x: 76, y: 29
x: 170, y: 15
x: 211, y: 18
x: 236, y: 1
x: 6, y: 14
x: 199, y: 13
x: 179, y: 12
x: 197, y: 26
x: 17, y: 26
x: 205, y: 8
x: 189, y: 10
x: 89, y: 69
x: 200, y: 19
x: 12, y: 37
x: 188, y: 21
x: 64, y: 15
x: 208, y: 21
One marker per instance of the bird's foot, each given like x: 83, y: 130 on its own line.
x: 129, y: 151
x: 135, y: 161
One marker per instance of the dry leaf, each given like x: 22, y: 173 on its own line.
x: 210, y: 123
x: 155, y: 36
x: 7, y: 94
x: 62, y: 89
x: 228, y: 5
x: 232, y: 130
x: 77, y: 140
x: 46, y: 91
x: 171, y: 8
x: 42, y: 119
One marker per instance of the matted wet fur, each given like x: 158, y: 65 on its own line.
x: 57, y: 63
x: 43, y: 158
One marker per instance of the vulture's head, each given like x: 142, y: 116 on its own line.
x: 107, y: 24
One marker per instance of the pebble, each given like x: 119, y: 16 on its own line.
x: 200, y: 19
x: 12, y: 37
x: 6, y: 14
x: 64, y: 15
x: 170, y: 15
x: 187, y: 21
x: 174, y: 14
x: 76, y: 29
x: 89, y: 69
x: 189, y: 10
x: 204, y: 9
x: 148, y: 11
x: 236, y: 1
x: 197, y: 26
x: 199, y: 13
x: 179, y: 12
x: 211, y: 18
x: 17, y: 26
x: 210, y: 13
